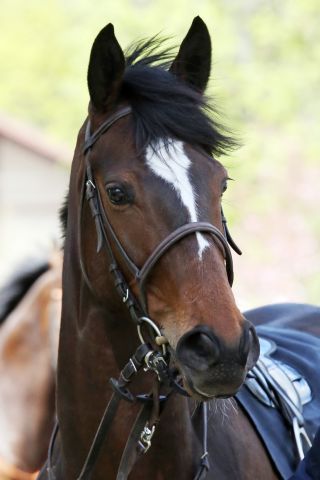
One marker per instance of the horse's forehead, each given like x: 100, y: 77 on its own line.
x: 182, y: 167
x: 171, y: 163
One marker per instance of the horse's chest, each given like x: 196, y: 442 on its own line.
x: 235, y: 469
x: 235, y: 450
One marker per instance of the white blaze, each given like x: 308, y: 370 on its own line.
x: 173, y: 165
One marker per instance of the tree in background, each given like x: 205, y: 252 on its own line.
x: 265, y: 78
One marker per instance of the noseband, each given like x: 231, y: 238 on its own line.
x: 145, y: 356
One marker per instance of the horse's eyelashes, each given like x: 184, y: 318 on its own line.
x: 224, y: 186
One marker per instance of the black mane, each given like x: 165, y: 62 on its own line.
x: 63, y: 214
x: 19, y: 283
x: 165, y: 107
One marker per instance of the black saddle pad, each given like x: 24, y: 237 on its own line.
x: 302, y: 352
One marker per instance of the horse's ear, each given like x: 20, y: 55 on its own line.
x: 193, y: 62
x: 106, y: 67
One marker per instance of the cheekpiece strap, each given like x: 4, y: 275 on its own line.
x: 90, y: 140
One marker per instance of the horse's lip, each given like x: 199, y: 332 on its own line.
x: 187, y: 383
x: 192, y: 390
x: 203, y: 396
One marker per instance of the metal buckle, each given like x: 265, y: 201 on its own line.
x: 125, y: 296
x: 146, y: 437
x: 89, y: 183
x: 300, y: 434
x: 154, y: 327
x: 154, y: 361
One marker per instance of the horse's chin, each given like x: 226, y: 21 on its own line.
x: 206, y: 394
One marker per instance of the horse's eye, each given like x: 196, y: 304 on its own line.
x: 117, y: 195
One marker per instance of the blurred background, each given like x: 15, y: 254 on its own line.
x: 265, y: 82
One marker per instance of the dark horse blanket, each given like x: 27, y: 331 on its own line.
x: 302, y: 352
x: 309, y: 468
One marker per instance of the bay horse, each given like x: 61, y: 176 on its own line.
x: 147, y: 281
x: 30, y: 320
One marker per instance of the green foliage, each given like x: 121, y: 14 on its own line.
x: 266, y: 79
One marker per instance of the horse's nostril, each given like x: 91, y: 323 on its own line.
x: 198, y: 349
x: 205, y: 346
x: 246, y: 342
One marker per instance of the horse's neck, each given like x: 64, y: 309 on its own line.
x: 86, y: 362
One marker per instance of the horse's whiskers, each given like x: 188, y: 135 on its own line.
x: 222, y: 407
x: 233, y: 404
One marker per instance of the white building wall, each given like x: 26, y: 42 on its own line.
x: 31, y: 191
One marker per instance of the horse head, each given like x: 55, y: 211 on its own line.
x: 150, y: 161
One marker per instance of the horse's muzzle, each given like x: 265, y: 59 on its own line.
x: 209, y: 367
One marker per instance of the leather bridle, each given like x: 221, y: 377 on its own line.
x: 106, y: 234
x: 146, y: 355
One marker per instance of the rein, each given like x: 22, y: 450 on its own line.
x: 146, y: 357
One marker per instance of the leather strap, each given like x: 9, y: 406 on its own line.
x: 106, y: 235
x: 228, y: 236
x: 174, y: 238
x: 91, y: 138
x: 106, y: 224
x: 99, y: 437
x: 105, y: 232
x: 204, y: 462
x: 130, y: 454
